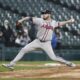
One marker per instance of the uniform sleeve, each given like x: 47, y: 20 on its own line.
x: 55, y: 24
x: 37, y: 21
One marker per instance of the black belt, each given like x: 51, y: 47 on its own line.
x: 43, y: 40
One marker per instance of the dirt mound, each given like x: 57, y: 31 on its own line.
x: 49, y: 72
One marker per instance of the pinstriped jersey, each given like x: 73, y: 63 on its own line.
x: 45, y: 28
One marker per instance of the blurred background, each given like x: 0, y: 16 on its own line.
x: 13, y: 36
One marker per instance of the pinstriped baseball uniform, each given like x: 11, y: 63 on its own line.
x: 43, y: 40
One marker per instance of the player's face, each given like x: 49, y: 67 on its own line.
x: 45, y: 16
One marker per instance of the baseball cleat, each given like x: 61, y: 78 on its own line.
x: 8, y: 66
x: 71, y: 65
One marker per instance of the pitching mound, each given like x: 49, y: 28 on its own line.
x: 60, y: 71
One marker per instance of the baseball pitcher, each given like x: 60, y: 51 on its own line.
x: 45, y: 26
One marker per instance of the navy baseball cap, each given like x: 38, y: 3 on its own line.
x: 46, y: 12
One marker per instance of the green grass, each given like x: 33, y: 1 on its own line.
x: 77, y: 62
x: 35, y: 62
x: 28, y: 62
x: 2, y: 69
x: 39, y: 79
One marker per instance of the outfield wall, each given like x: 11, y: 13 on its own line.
x: 8, y: 53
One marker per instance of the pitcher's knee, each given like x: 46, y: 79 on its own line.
x: 25, y: 50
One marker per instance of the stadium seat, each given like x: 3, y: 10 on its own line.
x: 60, y: 13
